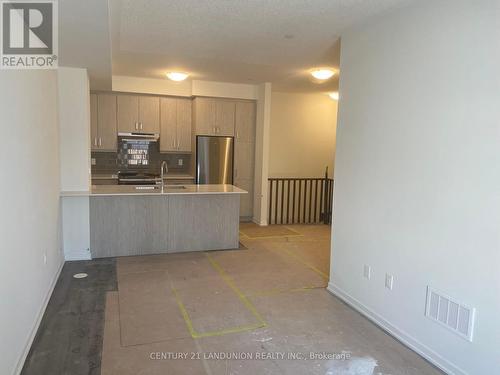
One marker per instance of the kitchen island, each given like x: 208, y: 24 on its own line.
x: 139, y: 220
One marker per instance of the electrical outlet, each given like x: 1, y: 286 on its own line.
x: 389, y: 281
x: 180, y: 162
x: 367, y: 272
x: 45, y: 258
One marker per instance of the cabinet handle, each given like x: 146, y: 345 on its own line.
x: 95, y: 141
x: 173, y: 144
x: 100, y: 141
x: 136, y: 125
x: 141, y: 125
x: 237, y: 134
x: 178, y: 144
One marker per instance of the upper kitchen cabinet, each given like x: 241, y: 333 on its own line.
x: 224, y: 117
x: 214, y: 116
x: 94, y: 134
x: 138, y: 114
x: 103, y: 122
x: 184, y: 124
x: 245, y: 122
x: 168, y: 124
x: 149, y: 114
x: 175, y: 129
x: 128, y: 113
x: 204, y: 116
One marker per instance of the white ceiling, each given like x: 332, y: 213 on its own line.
x: 245, y: 41
x: 237, y: 41
x: 84, y: 39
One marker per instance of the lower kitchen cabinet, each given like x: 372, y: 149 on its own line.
x: 246, y: 200
x: 244, y: 160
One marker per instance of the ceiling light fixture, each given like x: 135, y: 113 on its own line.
x: 334, y: 95
x: 323, y: 73
x: 177, y: 76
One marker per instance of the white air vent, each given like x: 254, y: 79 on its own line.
x: 451, y: 314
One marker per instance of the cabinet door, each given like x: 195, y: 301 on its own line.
x: 94, y: 141
x: 245, y: 122
x: 128, y: 113
x: 246, y: 200
x: 106, y: 120
x: 224, y: 117
x: 184, y: 110
x: 168, y: 124
x: 204, y: 112
x: 243, y: 160
x: 149, y: 114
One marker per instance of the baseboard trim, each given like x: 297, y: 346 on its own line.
x: 77, y: 255
x: 38, y: 320
x: 260, y: 223
x: 397, y: 333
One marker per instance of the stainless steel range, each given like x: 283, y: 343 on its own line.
x: 138, y: 178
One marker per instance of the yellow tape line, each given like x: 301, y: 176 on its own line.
x: 300, y: 260
x: 189, y: 323
x: 238, y: 292
x: 184, y: 312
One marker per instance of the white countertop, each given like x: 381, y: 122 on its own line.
x: 113, y: 190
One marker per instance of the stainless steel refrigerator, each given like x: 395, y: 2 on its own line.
x: 214, y: 159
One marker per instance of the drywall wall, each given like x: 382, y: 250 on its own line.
x: 185, y: 88
x: 302, y: 135
x: 417, y: 182
x: 225, y: 90
x: 262, y: 128
x: 74, y: 155
x: 74, y: 128
x: 29, y: 197
x: 75, y: 214
x: 151, y: 86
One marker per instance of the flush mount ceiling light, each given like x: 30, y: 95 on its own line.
x: 177, y: 76
x: 334, y: 95
x: 323, y: 74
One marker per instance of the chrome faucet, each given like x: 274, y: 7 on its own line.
x: 163, y: 172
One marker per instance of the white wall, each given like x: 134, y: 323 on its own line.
x: 74, y: 128
x: 188, y: 87
x: 262, y: 128
x: 151, y: 86
x: 74, y: 152
x: 225, y: 90
x: 417, y: 182
x: 29, y: 198
x: 302, y: 141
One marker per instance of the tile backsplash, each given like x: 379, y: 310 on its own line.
x: 139, y: 156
